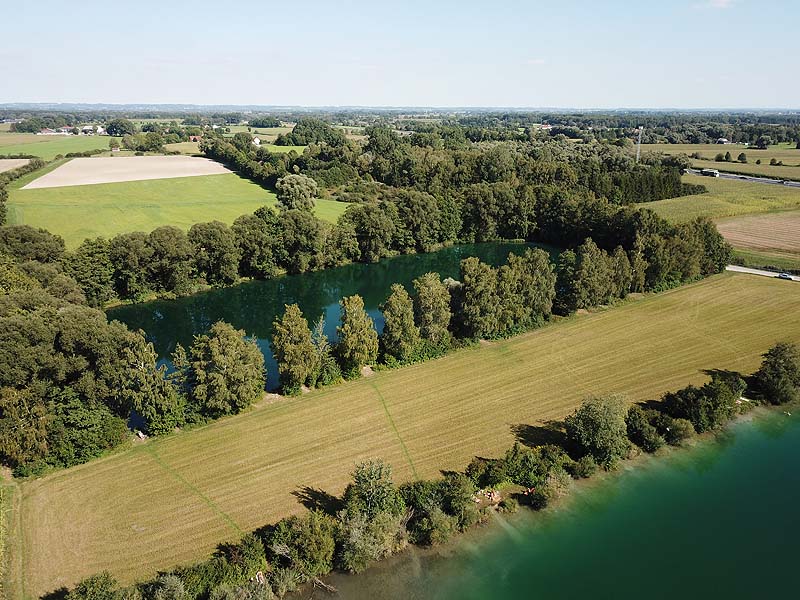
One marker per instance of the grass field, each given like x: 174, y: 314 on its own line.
x: 781, y: 152
x: 185, y: 147
x: 85, y: 211
x: 47, y: 146
x: 726, y: 198
x: 170, y: 501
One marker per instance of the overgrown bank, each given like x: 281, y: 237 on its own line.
x: 375, y: 518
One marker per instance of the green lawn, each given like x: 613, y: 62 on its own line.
x: 47, y: 147
x: 726, y: 198
x: 80, y: 212
x: 171, y: 501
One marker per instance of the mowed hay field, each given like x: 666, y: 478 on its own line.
x: 171, y: 501
x: 787, y: 153
x: 48, y: 146
x: 726, y: 198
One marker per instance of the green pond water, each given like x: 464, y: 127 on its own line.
x: 254, y: 305
x: 721, y: 520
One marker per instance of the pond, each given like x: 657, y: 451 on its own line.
x: 253, y: 306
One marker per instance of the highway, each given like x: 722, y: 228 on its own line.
x: 739, y: 269
x: 751, y: 179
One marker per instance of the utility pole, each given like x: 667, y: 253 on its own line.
x: 639, y: 144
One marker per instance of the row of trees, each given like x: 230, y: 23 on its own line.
x: 375, y: 517
x: 7, y: 177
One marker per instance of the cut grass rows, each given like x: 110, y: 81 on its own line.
x: 127, y: 514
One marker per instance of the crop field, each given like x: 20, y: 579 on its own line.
x: 771, y: 239
x: 91, y: 171
x: 171, y: 501
x: 726, y: 198
x: 86, y: 211
x: 780, y: 152
x: 7, y: 164
x: 184, y: 147
x: 48, y: 146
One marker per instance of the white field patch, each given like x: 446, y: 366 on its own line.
x: 6, y: 164
x: 116, y: 169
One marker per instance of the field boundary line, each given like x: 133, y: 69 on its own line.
x: 403, y: 446
x: 196, y: 491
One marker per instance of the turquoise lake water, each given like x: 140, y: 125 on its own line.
x: 721, y: 520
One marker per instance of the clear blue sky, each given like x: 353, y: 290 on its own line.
x: 562, y: 53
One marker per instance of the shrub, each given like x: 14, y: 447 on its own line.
x: 641, y: 432
x: 778, y: 378
x: 98, y: 587
x: 508, y: 505
x: 584, y: 468
x: 708, y: 407
x: 598, y: 428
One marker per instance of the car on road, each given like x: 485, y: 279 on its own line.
x: 784, y: 276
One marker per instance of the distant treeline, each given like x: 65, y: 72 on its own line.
x: 376, y: 518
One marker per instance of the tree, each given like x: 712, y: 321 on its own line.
x: 258, y: 239
x: 728, y: 157
x: 374, y: 230
x: 778, y: 378
x: 98, y: 587
x: 400, y: 336
x: 640, y: 431
x: 120, y: 127
x: 293, y: 348
x: 432, y: 309
x: 296, y: 192
x: 170, y: 268
x: 358, y: 340
x: 598, y: 428
x: 90, y: 265
x: 216, y: 255
x: 130, y: 255
x: 326, y: 369
x: 225, y: 371
x: 478, y: 303
x: 24, y: 242
x: 742, y: 158
x: 304, y: 543
x: 708, y: 407
x: 372, y: 490
x: 303, y: 241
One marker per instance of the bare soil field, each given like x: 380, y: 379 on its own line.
x: 772, y: 231
x: 6, y: 164
x: 89, y: 171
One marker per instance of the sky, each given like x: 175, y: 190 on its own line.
x: 467, y: 53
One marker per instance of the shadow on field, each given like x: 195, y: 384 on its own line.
x: 316, y: 499
x: 552, y: 432
x: 59, y: 594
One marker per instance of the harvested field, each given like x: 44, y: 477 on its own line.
x: 6, y: 164
x: 172, y: 500
x: 117, y: 169
x: 774, y: 231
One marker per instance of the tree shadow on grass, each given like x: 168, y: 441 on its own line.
x: 316, y: 499
x: 59, y: 594
x: 552, y: 432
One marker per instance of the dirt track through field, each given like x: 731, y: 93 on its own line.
x: 116, y: 169
x: 6, y: 164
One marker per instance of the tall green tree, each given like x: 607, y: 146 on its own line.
x: 479, y: 304
x: 225, y: 372
x: 400, y: 336
x: 358, y: 340
x: 296, y: 192
x: 598, y: 428
x: 293, y: 349
x: 778, y: 378
x: 170, y: 268
x: 432, y: 309
x: 90, y: 265
x: 130, y: 255
x: 216, y: 255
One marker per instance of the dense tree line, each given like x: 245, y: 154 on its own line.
x: 376, y: 518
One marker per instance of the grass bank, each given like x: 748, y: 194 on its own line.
x: 157, y: 505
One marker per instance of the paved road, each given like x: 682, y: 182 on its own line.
x: 739, y: 269
x: 787, y: 183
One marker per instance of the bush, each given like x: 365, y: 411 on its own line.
x: 708, y: 407
x: 598, y: 428
x: 97, y: 587
x: 641, y: 432
x: 508, y: 505
x: 584, y: 468
x: 778, y: 378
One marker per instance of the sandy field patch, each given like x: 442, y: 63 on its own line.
x: 773, y: 231
x: 115, y: 169
x: 6, y: 164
